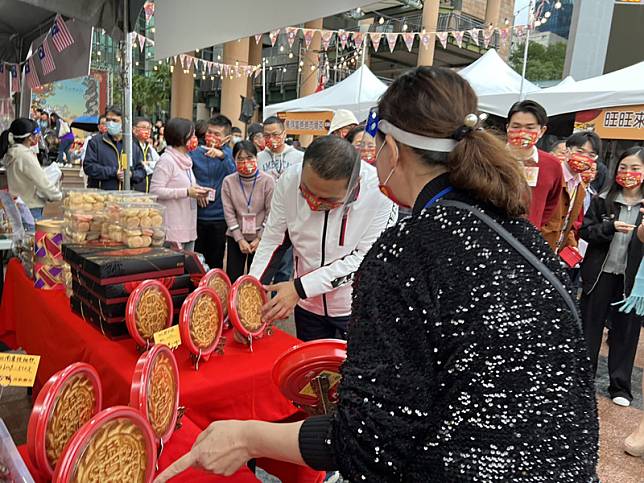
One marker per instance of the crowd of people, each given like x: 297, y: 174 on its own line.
x: 447, y: 257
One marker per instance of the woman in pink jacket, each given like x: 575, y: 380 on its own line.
x: 174, y: 184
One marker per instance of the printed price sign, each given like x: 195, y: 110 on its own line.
x: 170, y: 337
x: 18, y: 370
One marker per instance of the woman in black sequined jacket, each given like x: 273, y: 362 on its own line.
x: 464, y: 363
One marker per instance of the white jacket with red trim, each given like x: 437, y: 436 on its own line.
x: 328, y: 247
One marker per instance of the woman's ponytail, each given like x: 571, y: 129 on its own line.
x: 20, y: 129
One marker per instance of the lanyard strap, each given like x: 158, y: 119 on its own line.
x: 438, y: 197
x: 189, y: 175
x: 248, y: 199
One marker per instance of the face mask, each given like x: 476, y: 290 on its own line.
x: 368, y: 154
x: 275, y: 143
x: 247, y: 167
x: 628, y: 179
x: 578, y: 162
x: 588, y: 176
x: 522, y: 138
x: 318, y: 204
x: 386, y: 190
x: 192, y: 144
x: 143, y: 135
x: 236, y: 139
x: 113, y: 128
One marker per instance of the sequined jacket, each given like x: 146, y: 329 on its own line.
x: 463, y: 364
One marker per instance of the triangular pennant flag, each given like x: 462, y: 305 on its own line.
x: 141, y: 42
x: 504, y: 35
x: 458, y: 36
x: 409, y: 37
x: 344, y: 38
x: 273, y: 35
x: 487, y: 37
x: 326, y: 38
x: 376, y: 37
x: 226, y: 70
x: 425, y: 39
x: 148, y: 7
x: 291, y: 34
x: 391, y: 40
x: 308, y: 36
x: 474, y: 35
x: 358, y: 39
x: 442, y: 36
x: 258, y: 38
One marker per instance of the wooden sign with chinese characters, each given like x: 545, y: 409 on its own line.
x: 625, y: 122
x: 18, y: 370
x: 314, y: 123
x: 170, y: 337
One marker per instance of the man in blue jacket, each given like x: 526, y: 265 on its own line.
x: 211, y: 163
x: 102, y: 163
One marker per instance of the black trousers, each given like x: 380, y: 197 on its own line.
x: 624, y: 333
x: 236, y: 261
x: 310, y: 326
x: 211, y: 242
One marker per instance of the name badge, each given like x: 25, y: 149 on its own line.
x: 531, y: 175
x: 248, y: 224
x: 211, y: 195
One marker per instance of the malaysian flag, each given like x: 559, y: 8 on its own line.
x: 31, y: 75
x: 46, y: 59
x: 15, y: 78
x: 60, y: 35
x: 3, y: 77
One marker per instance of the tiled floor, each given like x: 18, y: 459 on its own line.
x: 616, y: 423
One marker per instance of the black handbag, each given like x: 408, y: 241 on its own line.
x: 523, y: 251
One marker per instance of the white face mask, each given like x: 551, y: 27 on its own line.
x: 236, y: 139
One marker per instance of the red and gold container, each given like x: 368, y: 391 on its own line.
x: 201, y: 322
x: 245, y: 301
x: 149, y: 309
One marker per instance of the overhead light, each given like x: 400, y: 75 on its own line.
x: 299, y: 69
x: 270, y: 68
x: 382, y: 20
x: 284, y: 70
x: 212, y: 77
x: 197, y: 51
x: 153, y: 30
x: 290, y: 55
x: 312, y: 67
x: 405, y: 27
x: 506, y: 21
x: 160, y: 62
x: 301, y: 63
x: 171, y: 69
x: 218, y: 57
x: 544, y: 20
x: 537, y: 23
x: 358, y: 10
x: 547, y: 14
x: 281, y: 48
x: 558, y: 5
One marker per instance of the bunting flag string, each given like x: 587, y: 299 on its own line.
x: 46, y: 59
x: 31, y: 76
x: 258, y: 38
x: 392, y: 38
x: 291, y: 34
x: 425, y: 39
x: 358, y: 39
x: 273, y: 35
x: 326, y: 38
x: 60, y: 34
x: 442, y: 36
x: 409, y: 37
x: 474, y: 35
x: 148, y: 8
x: 15, y: 78
x: 458, y: 36
x: 308, y: 37
x: 487, y: 37
x: 375, y: 39
x: 344, y: 38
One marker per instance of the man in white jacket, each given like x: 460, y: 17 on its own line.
x: 329, y: 237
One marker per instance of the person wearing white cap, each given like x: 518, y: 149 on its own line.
x: 342, y: 123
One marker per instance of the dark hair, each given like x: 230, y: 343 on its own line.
x: 554, y: 143
x: 201, y: 128
x: 245, y: 146
x: 614, y: 188
x: 354, y: 132
x: 274, y: 120
x: 21, y: 127
x: 102, y: 116
x: 331, y: 157
x: 140, y: 119
x: 254, y: 129
x: 221, y: 121
x: 434, y: 102
x: 114, y: 110
x: 178, y: 131
x: 529, y: 107
x: 236, y: 130
x: 578, y: 139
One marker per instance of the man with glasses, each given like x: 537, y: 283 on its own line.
x: 211, y: 163
x: 102, y: 163
x: 142, y: 150
x: 527, y: 123
x: 276, y: 159
x: 578, y: 156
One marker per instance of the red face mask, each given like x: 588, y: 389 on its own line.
x: 247, y: 167
x: 316, y: 203
x: 628, y: 179
x: 578, y: 162
x: 522, y: 138
x: 588, y: 176
x: 275, y: 143
x: 213, y: 141
x: 192, y: 144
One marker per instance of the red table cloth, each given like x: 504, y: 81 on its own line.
x: 237, y: 385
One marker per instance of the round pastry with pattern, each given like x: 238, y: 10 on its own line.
x: 155, y: 390
x: 247, y: 296
x: 219, y: 281
x: 69, y: 399
x: 149, y: 309
x: 201, y: 321
x: 116, y: 445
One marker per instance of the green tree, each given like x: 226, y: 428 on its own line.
x: 150, y: 92
x: 544, y: 63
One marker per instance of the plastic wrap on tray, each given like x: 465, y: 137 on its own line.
x: 82, y: 226
x: 130, y: 197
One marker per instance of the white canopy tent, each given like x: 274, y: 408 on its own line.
x: 496, y: 84
x: 358, y: 93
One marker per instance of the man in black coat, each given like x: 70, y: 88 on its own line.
x: 102, y: 163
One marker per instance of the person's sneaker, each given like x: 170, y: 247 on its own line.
x: 621, y: 401
x: 332, y: 477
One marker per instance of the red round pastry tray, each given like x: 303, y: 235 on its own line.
x: 295, y: 369
x: 207, y: 280
x: 72, y: 416
x: 132, y: 304
x: 232, y: 307
x: 143, y: 395
x: 104, y: 448
x: 185, y: 321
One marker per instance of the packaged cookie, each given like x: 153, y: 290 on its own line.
x: 90, y: 200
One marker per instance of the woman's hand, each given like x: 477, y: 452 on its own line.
x: 197, y: 192
x: 222, y: 448
x: 254, y: 244
x: 622, y: 227
x: 244, y: 246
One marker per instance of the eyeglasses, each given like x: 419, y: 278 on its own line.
x: 591, y: 154
x: 268, y: 135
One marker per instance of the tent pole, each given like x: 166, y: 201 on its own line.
x: 127, y: 125
x: 263, y: 87
x: 525, y: 50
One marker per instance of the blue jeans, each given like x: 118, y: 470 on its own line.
x: 36, y: 213
x: 285, y: 271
